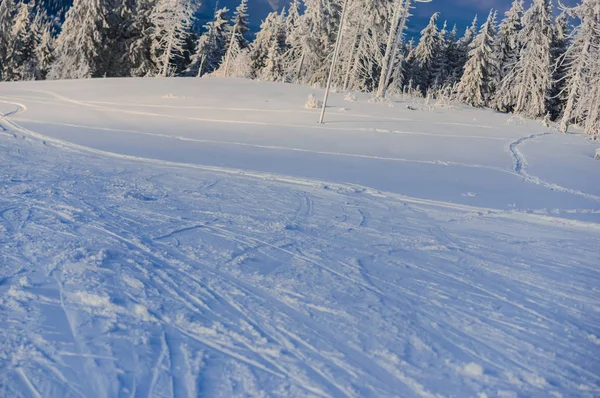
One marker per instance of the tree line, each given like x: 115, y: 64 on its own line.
x: 530, y: 63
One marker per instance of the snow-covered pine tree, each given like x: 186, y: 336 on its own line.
x: 296, y: 43
x: 360, y: 64
x: 507, y: 41
x: 273, y: 69
x: 44, y: 45
x: 119, y: 33
x: 236, y: 42
x: 454, y: 56
x: 481, y: 70
x: 171, y: 21
x: 463, y: 48
x: 403, y: 68
x: 558, y: 48
x: 425, y: 54
x: 442, y: 63
x: 210, y: 48
x: 21, y: 60
x: 529, y: 82
x: 7, y: 11
x: 80, y: 42
x: 582, y: 62
x: 508, y: 49
x: 322, y: 20
x: 268, y: 45
x: 139, y: 50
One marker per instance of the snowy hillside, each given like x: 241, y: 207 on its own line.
x: 206, y: 237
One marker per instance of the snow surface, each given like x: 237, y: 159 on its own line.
x: 205, y: 237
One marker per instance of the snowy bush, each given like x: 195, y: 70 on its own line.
x: 350, y: 97
x: 312, y: 102
x: 240, y: 66
x: 375, y: 100
x: 597, y: 155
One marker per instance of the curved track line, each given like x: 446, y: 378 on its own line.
x: 545, y: 219
x: 521, y: 164
x: 277, y: 147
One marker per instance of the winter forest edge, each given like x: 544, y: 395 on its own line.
x: 527, y: 62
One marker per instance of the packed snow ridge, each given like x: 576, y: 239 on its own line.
x: 206, y: 237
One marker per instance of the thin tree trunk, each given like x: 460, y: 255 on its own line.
x: 228, y: 56
x: 300, y: 65
x: 201, y: 65
x: 573, y: 90
x: 167, y: 55
x: 397, y: 43
x: 388, y: 48
x: 351, y: 58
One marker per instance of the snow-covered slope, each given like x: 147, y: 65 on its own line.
x: 189, y: 237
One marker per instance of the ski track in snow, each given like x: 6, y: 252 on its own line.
x: 521, y: 168
x: 187, y: 280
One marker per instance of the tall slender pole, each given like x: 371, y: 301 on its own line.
x: 333, y: 61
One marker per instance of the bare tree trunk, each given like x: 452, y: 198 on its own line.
x: 300, y: 65
x: 388, y: 48
x: 201, y: 66
x: 228, y: 56
x: 397, y: 43
x: 167, y: 56
x: 351, y: 58
x: 573, y: 90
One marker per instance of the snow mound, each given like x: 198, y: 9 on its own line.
x: 312, y: 102
x: 472, y: 369
x: 597, y: 155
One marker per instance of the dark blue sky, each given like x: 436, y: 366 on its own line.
x: 461, y: 12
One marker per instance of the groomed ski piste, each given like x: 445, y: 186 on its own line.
x: 206, y: 237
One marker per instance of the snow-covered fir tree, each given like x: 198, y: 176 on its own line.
x: 80, y: 42
x: 463, y: 48
x: 268, y: 46
x: 273, y: 63
x: 171, y: 21
x: 508, y: 39
x: 582, y: 61
x: 321, y: 21
x: 481, y: 70
x: 425, y: 55
x: 210, y: 47
x: 114, y: 57
x: 7, y: 11
x: 525, y: 88
x: 454, y: 57
x: 296, y: 43
x: 236, y: 42
x: 558, y: 49
x: 44, y: 45
x: 21, y: 57
x: 442, y: 63
x: 139, y: 49
x: 368, y: 28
